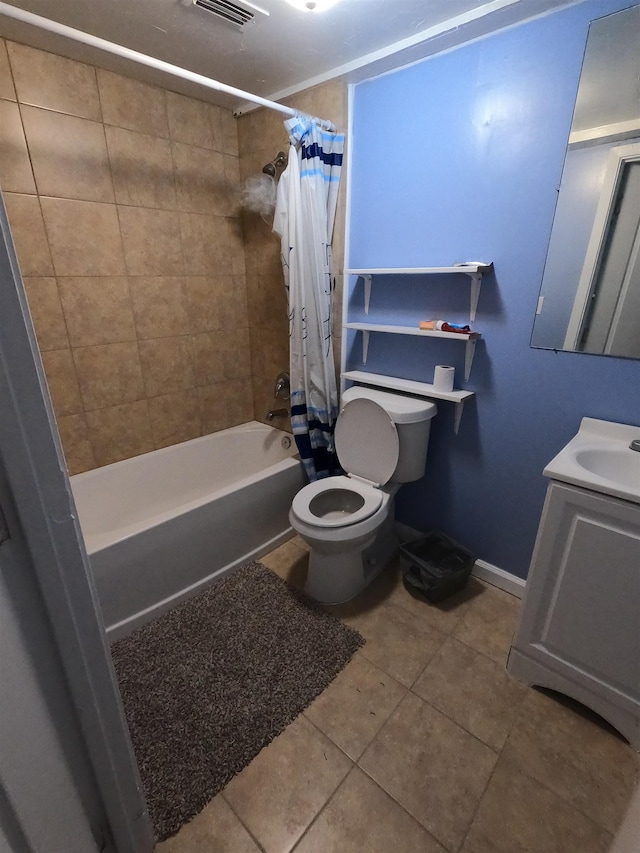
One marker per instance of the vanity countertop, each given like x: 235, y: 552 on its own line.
x: 599, y: 458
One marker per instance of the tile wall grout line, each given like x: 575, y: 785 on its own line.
x: 19, y: 105
x: 11, y: 74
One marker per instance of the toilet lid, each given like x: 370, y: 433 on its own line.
x: 367, y: 441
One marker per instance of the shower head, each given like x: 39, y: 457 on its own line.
x: 278, y: 162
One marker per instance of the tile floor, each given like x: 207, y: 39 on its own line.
x: 424, y: 744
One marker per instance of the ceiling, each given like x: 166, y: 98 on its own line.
x: 272, y: 56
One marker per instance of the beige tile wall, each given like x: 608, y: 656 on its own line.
x: 261, y: 135
x: 122, y: 204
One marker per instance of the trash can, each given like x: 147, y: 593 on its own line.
x: 436, y: 566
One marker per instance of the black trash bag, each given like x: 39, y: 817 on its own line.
x: 436, y: 566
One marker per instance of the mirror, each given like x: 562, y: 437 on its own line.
x: 590, y: 295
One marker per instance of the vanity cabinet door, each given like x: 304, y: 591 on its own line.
x: 581, y: 615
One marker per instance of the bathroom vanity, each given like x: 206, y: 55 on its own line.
x: 579, y: 631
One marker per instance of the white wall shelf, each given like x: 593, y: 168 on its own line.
x: 475, y: 271
x: 469, y: 338
x: 409, y: 386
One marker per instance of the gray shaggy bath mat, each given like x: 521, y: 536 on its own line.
x: 208, y: 684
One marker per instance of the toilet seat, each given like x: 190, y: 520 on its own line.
x: 358, y: 501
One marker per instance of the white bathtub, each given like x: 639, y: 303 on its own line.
x: 161, y: 526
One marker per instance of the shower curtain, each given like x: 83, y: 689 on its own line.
x: 304, y: 217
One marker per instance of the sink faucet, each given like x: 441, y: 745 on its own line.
x: 635, y: 444
x: 277, y: 413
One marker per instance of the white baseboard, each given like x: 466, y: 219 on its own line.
x: 482, y: 570
x: 498, y: 577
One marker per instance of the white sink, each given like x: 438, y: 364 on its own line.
x: 599, y: 458
x: 616, y: 464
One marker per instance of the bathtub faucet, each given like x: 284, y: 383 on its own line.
x: 277, y: 413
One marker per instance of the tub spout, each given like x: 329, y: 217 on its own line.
x: 277, y: 413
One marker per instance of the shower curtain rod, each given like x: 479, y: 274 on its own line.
x: 150, y: 61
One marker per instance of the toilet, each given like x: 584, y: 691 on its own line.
x: 381, y: 440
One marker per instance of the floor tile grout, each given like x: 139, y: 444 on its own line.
x: 456, y: 723
x: 480, y: 652
x: 356, y: 763
x: 478, y: 805
x: 389, y: 794
x: 497, y: 752
x: 405, y: 810
x: 385, y: 604
x: 322, y: 809
x: 242, y: 823
x: 324, y: 734
x: 564, y: 799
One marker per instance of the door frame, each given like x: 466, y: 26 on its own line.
x: 41, y: 501
x: 618, y: 158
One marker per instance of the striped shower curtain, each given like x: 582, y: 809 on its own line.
x: 304, y: 217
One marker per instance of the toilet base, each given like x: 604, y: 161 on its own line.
x: 335, y: 577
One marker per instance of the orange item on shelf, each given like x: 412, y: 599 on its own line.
x: 443, y: 326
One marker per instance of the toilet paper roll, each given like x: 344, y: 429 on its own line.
x: 443, y: 377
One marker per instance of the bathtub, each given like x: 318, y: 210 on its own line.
x: 161, y: 526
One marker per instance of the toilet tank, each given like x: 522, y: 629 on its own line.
x: 412, y: 417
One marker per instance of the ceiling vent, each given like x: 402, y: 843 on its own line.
x: 234, y: 13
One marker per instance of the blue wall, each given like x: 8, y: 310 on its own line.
x: 459, y: 158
